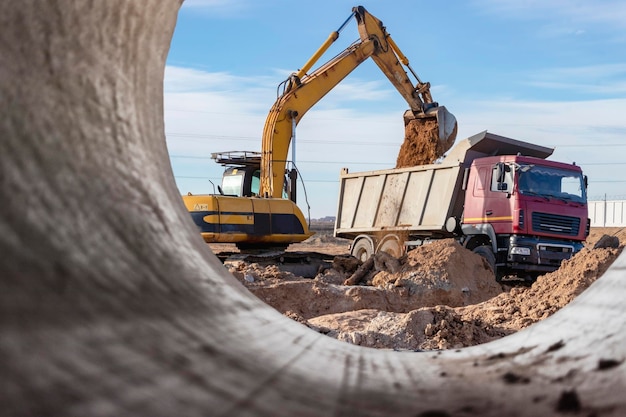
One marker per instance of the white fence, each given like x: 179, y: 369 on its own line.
x: 607, y: 213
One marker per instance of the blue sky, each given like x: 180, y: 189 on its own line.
x: 547, y: 72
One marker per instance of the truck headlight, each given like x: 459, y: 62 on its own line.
x: 518, y: 250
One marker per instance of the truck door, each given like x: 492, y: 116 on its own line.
x: 499, y: 205
x: 490, y: 200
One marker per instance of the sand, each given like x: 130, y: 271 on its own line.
x: 438, y: 296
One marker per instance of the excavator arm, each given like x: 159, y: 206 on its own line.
x: 390, y: 60
x: 302, y: 91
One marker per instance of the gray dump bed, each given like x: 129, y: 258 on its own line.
x: 418, y: 200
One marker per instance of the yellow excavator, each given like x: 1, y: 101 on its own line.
x: 256, y: 205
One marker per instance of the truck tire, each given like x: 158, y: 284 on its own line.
x: 487, y: 253
x: 390, y: 244
x: 362, y: 248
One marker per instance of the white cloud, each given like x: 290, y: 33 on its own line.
x: 618, y: 88
x: 567, y: 118
x: 180, y: 79
x: 209, y: 112
x: 590, y: 133
x: 354, y: 89
x: 608, y: 80
x: 587, y: 72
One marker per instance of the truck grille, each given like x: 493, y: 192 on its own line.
x: 554, y: 223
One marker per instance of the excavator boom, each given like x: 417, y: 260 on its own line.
x: 302, y: 91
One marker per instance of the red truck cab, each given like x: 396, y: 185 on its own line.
x: 531, y: 212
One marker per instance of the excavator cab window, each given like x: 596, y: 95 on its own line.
x: 255, y: 183
x: 244, y: 182
x: 286, y: 187
x: 232, y: 182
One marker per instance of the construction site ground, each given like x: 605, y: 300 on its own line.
x: 439, y: 296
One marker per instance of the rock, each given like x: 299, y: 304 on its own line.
x: 607, y: 241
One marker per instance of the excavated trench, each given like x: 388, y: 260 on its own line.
x: 111, y: 304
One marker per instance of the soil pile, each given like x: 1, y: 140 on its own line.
x: 421, y: 145
x: 441, y: 273
x: 521, y: 307
x: 438, y: 296
x: 446, y: 327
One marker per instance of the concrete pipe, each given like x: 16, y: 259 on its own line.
x: 111, y: 305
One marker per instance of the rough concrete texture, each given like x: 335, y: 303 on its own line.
x: 111, y: 305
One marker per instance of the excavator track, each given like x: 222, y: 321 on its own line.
x: 304, y: 264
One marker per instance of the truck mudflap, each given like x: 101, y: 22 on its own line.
x: 529, y: 253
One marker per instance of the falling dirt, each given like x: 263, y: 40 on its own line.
x: 438, y: 296
x: 421, y: 144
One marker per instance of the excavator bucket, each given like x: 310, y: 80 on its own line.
x: 447, y: 125
x: 428, y: 136
x: 446, y: 122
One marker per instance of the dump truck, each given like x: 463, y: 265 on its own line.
x: 497, y: 196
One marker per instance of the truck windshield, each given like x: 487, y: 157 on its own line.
x: 551, y: 182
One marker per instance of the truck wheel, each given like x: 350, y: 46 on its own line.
x: 362, y: 248
x: 390, y: 244
x: 487, y: 253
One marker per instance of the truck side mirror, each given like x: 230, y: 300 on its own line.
x: 498, y: 172
x: 585, y: 181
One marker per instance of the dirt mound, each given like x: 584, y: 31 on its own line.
x: 445, y: 264
x: 439, y: 327
x: 441, y: 273
x: 521, y: 307
x: 438, y: 296
x: 421, y: 145
x: 444, y: 327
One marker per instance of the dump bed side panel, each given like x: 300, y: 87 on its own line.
x: 418, y: 199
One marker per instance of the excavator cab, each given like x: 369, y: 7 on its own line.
x: 239, y: 181
x: 242, y: 174
x: 238, y: 177
x: 239, y: 214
